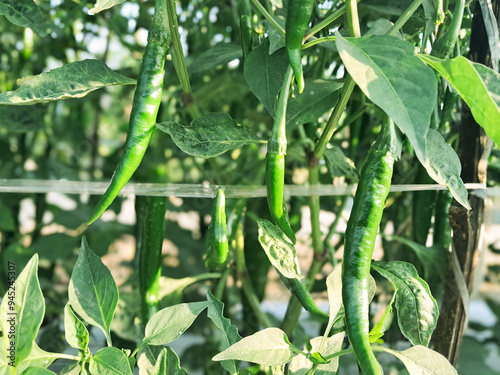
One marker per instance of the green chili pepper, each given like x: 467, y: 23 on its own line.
x: 443, y: 47
x: 150, y: 254
x: 297, y: 23
x: 360, y: 234
x: 217, y: 256
x: 147, y: 99
x: 300, y: 291
x: 275, y: 162
x: 246, y: 34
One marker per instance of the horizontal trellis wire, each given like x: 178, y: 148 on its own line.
x: 208, y: 191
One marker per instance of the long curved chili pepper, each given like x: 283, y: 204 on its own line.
x: 217, y: 256
x: 275, y: 162
x: 297, y: 22
x: 360, y: 234
x: 147, y: 99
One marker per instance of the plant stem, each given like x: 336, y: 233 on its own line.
x: 331, y: 18
x: 404, y: 17
x: 177, y: 53
x: 268, y: 17
x: 246, y: 283
x: 338, y: 354
x: 318, y: 41
x: 353, y: 18
x: 333, y: 121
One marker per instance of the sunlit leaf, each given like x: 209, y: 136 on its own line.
x: 73, y: 80
x: 417, y: 309
x: 268, y: 347
x: 394, y: 78
x: 210, y: 135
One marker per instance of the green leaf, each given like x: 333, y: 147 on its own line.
x: 276, y: 40
x: 26, y: 13
x: 55, y: 246
x: 210, y: 135
x: 431, y: 258
x: 319, y: 96
x: 384, y: 323
x: 339, y: 165
x: 443, y: 166
x: 101, y: 5
x: 37, y: 371
x: 110, y: 361
x: 219, y: 54
x: 146, y: 358
x: 22, y: 309
x: 19, y: 121
x: 92, y: 290
x: 391, y: 76
x: 264, y: 74
x: 279, y: 249
x: 168, y: 364
x: 269, y: 347
x: 420, y: 360
x: 38, y: 358
x: 73, y: 80
x: 228, y: 331
x: 478, y: 86
x: 171, y: 322
x: 300, y: 364
x: 75, y: 331
x: 417, y: 309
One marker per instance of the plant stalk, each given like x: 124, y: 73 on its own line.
x: 404, y: 17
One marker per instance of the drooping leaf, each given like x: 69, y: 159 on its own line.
x: 339, y: 165
x: 443, y: 166
x: 19, y: 121
x: 26, y: 13
x: 101, y: 5
x: 22, y: 311
x: 394, y: 78
x: 269, y: 347
x: 420, y: 360
x: 228, y: 331
x: 92, y: 290
x: 171, y: 322
x: 478, y: 86
x: 168, y: 364
x: 264, y: 74
x: 75, y: 331
x: 210, y: 135
x: 279, y: 249
x: 417, y: 309
x: 110, y: 361
x: 73, y: 80
x: 219, y: 54
x: 300, y: 364
x: 319, y: 96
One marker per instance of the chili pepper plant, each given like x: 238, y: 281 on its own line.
x: 332, y: 105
